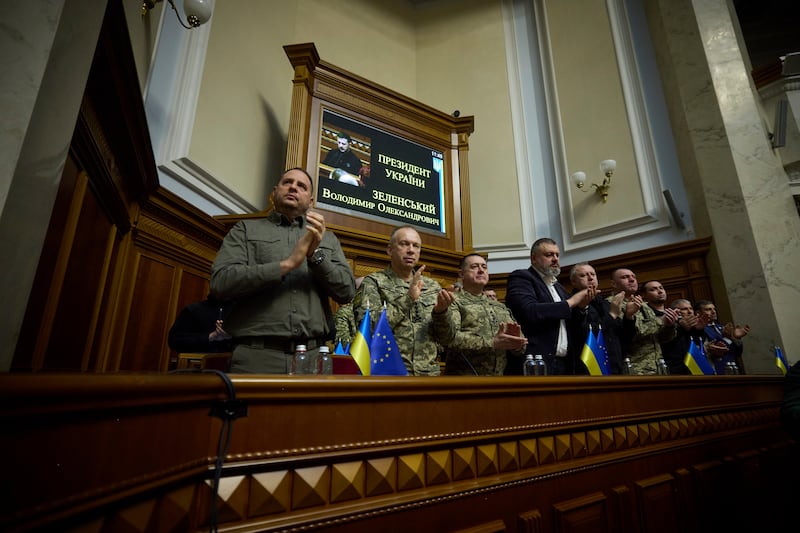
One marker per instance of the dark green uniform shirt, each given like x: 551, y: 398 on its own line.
x: 294, y: 306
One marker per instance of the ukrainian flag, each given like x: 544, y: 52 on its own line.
x: 594, y: 354
x: 780, y: 361
x: 696, y: 361
x: 359, y: 349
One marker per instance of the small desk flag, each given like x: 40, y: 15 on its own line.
x: 594, y: 354
x: 696, y: 360
x: 780, y: 360
x: 359, y: 349
x: 339, y: 350
x: 385, y: 355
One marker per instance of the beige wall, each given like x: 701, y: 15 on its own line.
x: 462, y: 65
x: 592, y: 111
x: 242, y: 115
x: 143, y: 33
x: 445, y: 57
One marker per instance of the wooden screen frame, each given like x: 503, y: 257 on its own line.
x: 319, y: 86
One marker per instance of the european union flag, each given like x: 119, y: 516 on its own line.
x: 595, y: 354
x: 359, y: 349
x: 385, y: 355
x: 780, y: 360
x: 696, y: 360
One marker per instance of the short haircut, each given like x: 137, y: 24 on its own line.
x: 539, y: 242
x: 343, y: 135
x: 643, y: 286
x: 573, y: 272
x: 699, y: 304
x: 613, y: 272
x: 394, y: 232
x: 463, y: 262
x: 676, y: 303
x: 304, y: 171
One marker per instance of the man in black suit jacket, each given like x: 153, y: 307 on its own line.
x: 542, y: 307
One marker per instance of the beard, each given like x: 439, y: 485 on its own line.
x: 552, y: 271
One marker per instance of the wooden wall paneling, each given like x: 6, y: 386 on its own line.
x: 680, y: 267
x: 495, y: 526
x: 147, y: 323
x: 587, y: 514
x: 712, y: 483
x: 655, y: 500
x: 623, y: 513
x: 314, y: 454
x: 71, y: 339
x: 35, y: 329
x: 531, y: 522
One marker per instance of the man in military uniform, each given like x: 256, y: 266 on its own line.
x: 650, y: 330
x: 409, y: 298
x: 345, y: 322
x: 474, y: 329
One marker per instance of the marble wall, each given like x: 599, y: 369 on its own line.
x: 739, y: 190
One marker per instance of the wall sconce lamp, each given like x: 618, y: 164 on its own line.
x: 608, y: 166
x: 197, y: 11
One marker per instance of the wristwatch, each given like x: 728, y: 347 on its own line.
x: 317, y: 257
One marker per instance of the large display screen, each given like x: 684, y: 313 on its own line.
x: 374, y: 174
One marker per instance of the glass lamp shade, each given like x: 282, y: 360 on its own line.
x: 579, y: 178
x: 198, y: 11
x: 608, y: 166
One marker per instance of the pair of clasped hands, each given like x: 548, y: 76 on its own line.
x: 307, y: 244
x: 509, y: 334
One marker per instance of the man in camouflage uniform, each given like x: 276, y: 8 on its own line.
x: 474, y: 329
x: 409, y: 298
x: 644, y: 348
x: 344, y: 321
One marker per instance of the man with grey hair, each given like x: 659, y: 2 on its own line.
x: 409, y: 297
x: 599, y: 313
x: 542, y: 307
x: 475, y: 330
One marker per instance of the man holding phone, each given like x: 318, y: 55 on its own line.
x: 475, y: 330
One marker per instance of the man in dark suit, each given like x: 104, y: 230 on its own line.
x: 542, y: 307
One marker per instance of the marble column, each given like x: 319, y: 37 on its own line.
x: 47, y: 48
x: 737, y: 187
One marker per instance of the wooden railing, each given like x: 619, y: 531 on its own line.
x: 137, y: 453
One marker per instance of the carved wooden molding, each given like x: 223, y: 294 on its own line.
x: 316, y: 453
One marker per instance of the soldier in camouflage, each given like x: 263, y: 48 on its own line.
x: 344, y: 321
x: 474, y: 329
x: 644, y: 347
x: 409, y: 298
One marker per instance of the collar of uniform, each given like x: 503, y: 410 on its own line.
x: 282, y: 220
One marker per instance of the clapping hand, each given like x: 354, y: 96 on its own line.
x: 509, y: 337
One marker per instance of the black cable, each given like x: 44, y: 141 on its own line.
x: 468, y: 363
x: 228, y: 410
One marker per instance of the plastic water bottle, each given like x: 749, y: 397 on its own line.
x: 540, y: 367
x: 529, y: 366
x: 325, y: 361
x: 300, y: 361
x: 661, y: 367
x: 731, y: 368
x: 627, y: 367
